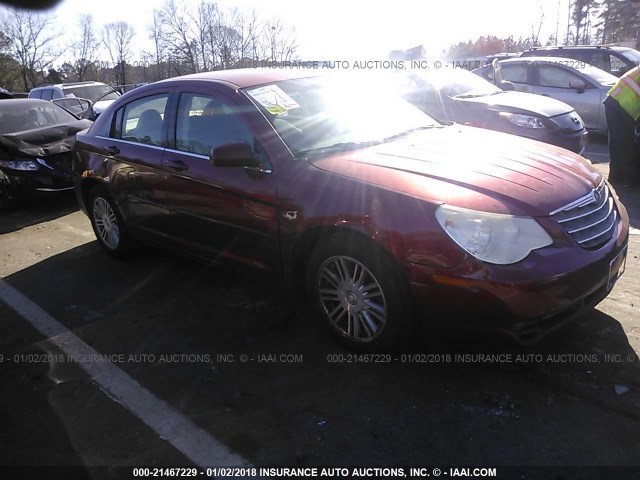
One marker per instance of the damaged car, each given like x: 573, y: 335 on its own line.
x: 36, y: 138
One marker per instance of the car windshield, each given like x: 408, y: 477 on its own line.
x: 92, y: 92
x: 596, y: 74
x: 458, y: 83
x: 326, y: 114
x: 21, y: 116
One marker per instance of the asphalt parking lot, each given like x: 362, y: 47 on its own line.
x: 243, y: 367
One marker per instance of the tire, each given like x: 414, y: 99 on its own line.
x: 359, y: 294
x: 108, y: 224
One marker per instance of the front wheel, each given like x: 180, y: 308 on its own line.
x: 360, y: 295
x: 107, y: 223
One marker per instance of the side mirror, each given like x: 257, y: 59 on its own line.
x: 507, y: 86
x: 578, y: 85
x: 89, y: 114
x: 234, y: 154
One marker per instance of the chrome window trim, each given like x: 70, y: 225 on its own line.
x: 128, y: 142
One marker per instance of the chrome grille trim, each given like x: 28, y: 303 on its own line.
x: 571, y: 232
x: 591, y: 219
x: 613, y: 224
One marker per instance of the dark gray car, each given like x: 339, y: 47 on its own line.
x: 462, y: 97
x: 578, y: 84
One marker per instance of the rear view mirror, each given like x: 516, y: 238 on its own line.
x: 577, y: 85
x: 234, y: 154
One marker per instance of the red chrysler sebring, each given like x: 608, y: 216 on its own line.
x: 386, y: 216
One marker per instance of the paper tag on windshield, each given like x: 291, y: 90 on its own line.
x: 274, y: 99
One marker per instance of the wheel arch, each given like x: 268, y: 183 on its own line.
x: 306, y: 243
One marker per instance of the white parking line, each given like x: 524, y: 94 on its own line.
x: 194, y: 442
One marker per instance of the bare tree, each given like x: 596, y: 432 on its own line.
x: 279, y: 41
x: 156, y: 35
x: 180, y: 36
x: 84, y: 50
x: 117, y: 38
x: 32, y: 43
x: 203, y: 22
x: 247, y: 28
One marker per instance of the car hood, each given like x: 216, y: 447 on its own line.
x: 521, y: 102
x: 42, y: 141
x: 472, y: 168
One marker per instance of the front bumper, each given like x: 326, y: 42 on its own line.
x: 525, y: 302
x: 574, y: 141
x: 18, y: 185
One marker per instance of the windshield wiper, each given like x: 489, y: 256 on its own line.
x: 406, y: 133
x: 338, y: 147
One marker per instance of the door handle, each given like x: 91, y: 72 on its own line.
x: 177, y: 165
x: 113, y: 150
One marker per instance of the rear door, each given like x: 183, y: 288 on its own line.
x: 134, y: 148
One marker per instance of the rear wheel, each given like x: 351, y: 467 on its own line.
x: 360, y: 295
x: 107, y: 223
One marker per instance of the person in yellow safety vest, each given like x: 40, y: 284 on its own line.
x: 622, y: 108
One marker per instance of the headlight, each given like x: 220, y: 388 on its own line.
x: 526, y: 121
x: 25, y: 165
x: 492, y: 237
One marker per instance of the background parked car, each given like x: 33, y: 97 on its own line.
x: 343, y: 187
x: 99, y: 94
x: 611, y: 59
x: 582, y: 86
x: 460, y: 96
x: 36, y: 138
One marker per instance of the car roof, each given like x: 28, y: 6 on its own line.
x: 30, y: 101
x: 247, y: 77
x: 543, y: 58
x: 581, y: 47
x: 71, y: 84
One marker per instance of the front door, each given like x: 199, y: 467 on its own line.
x: 554, y: 81
x: 227, y: 214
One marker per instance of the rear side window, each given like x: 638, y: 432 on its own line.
x: 47, y: 94
x: 142, y: 121
x: 35, y: 94
x: 619, y: 64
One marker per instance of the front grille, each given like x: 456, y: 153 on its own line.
x: 590, y: 220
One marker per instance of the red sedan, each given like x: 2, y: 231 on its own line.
x: 386, y: 216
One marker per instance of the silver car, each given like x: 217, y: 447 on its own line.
x: 574, y: 82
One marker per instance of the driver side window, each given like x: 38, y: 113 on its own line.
x: 208, y: 121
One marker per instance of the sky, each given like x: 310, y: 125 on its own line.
x: 353, y: 29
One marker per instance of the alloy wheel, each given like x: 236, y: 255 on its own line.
x: 106, y: 223
x: 352, y: 298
